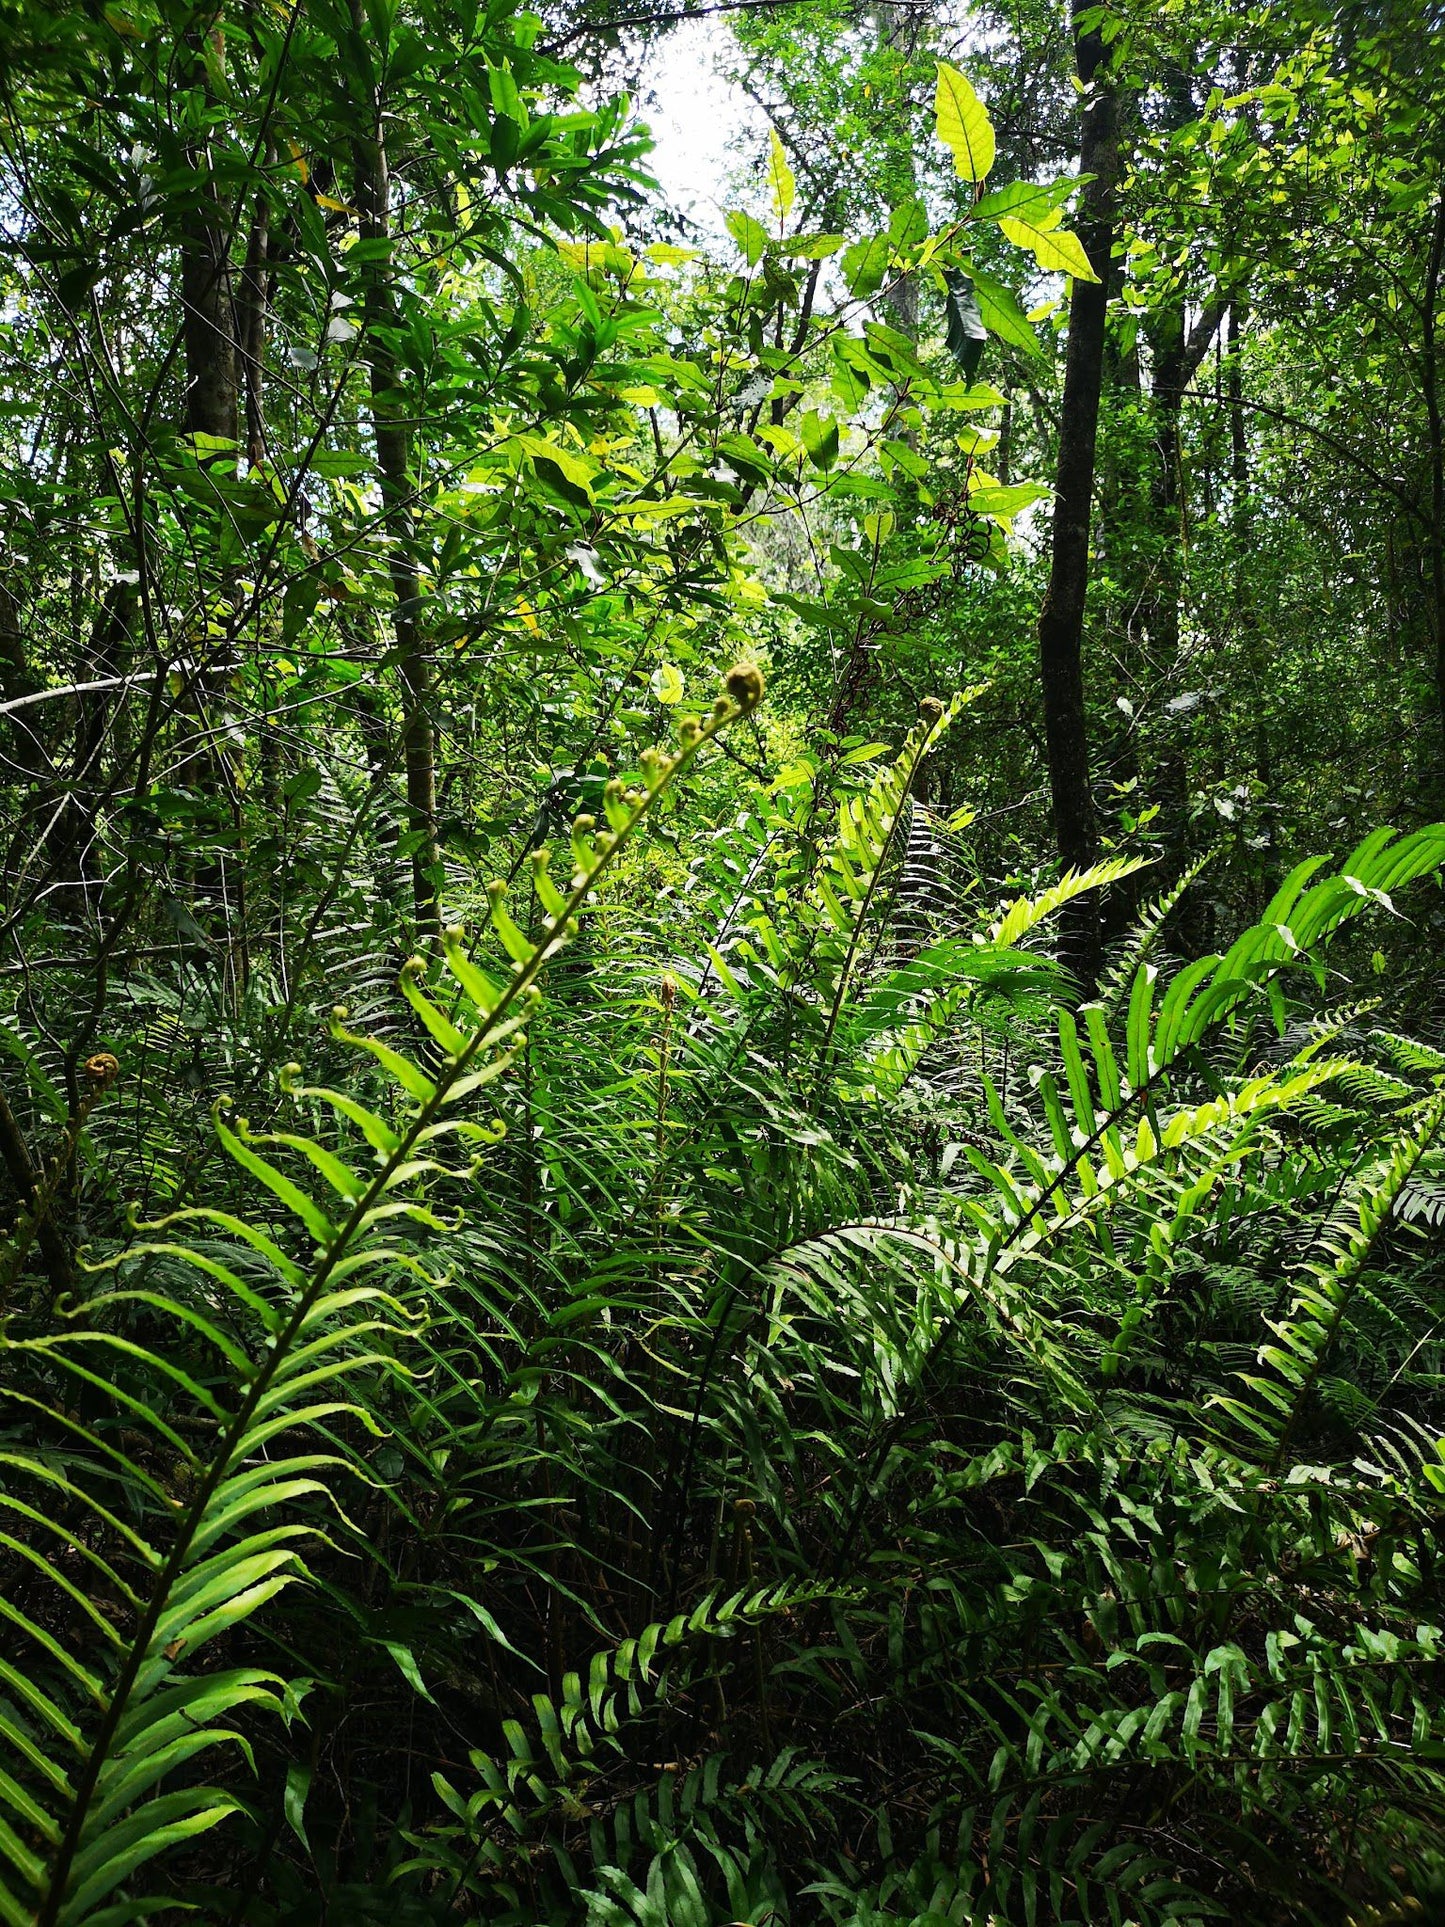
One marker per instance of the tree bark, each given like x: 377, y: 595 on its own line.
x: 393, y: 454
x: 1435, y: 426
x: 209, y: 328
x: 1242, y: 525
x: 26, y: 1181
x: 252, y: 308
x: 1238, y: 428
x: 1061, y: 623
x: 208, y: 311
x: 209, y: 324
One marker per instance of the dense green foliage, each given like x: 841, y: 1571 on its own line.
x: 597, y: 1325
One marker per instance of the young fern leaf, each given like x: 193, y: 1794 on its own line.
x: 819, y: 945
x: 847, y: 882
x: 103, y: 1751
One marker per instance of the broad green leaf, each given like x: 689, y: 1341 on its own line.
x: 1039, y: 202
x: 820, y: 438
x: 750, y: 235
x: 814, y: 247
x: 780, y: 179
x: 865, y: 265
x: 663, y: 509
x: 993, y: 499
x: 1057, y: 249
x: 963, y: 124
x: 1003, y: 316
x: 908, y: 224
x: 667, y: 684
x: 965, y: 333
x: 575, y: 468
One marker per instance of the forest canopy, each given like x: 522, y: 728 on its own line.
x: 722, y: 1058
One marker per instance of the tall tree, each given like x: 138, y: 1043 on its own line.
x: 1061, y: 621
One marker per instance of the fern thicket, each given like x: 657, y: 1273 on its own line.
x: 807, y: 1421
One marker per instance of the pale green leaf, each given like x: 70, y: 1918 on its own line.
x: 963, y: 124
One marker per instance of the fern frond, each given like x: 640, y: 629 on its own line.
x: 208, y: 1564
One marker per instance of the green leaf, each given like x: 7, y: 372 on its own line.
x: 965, y: 334
x: 750, y: 235
x: 907, y: 224
x: 1003, y: 316
x: 820, y: 438
x: 1059, y: 250
x: 406, y: 1661
x: 568, y: 462
x: 667, y: 684
x: 813, y: 247
x: 298, y: 1785
x: 995, y: 500
x: 865, y: 266
x: 963, y: 124
x: 1039, y: 202
x: 780, y: 179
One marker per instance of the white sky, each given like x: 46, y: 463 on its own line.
x: 697, y: 115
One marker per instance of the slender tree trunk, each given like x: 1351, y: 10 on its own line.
x: 1242, y: 519
x: 393, y: 454
x: 1121, y: 518
x: 1430, y: 381
x: 208, y: 320
x: 1159, y: 602
x: 29, y: 756
x: 1061, y: 623
x: 70, y: 851
x: 1160, y: 611
x: 212, y: 413
x: 209, y: 324
x: 1234, y: 377
x: 251, y: 315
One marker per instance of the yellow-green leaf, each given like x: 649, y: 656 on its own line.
x: 780, y: 179
x: 576, y: 470
x: 963, y: 124
x: 1058, y: 249
x: 667, y: 684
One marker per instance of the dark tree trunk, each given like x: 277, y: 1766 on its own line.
x: 212, y: 411
x: 393, y: 454
x: 1435, y: 423
x: 71, y: 845
x: 1061, y: 623
x: 252, y: 307
x: 1242, y: 522
x: 209, y: 325
x: 1234, y: 377
x: 208, y: 306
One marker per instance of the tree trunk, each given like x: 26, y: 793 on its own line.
x: 212, y: 413
x: 252, y: 308
x: 393, y: 454
x: 71, y: 846
x: 1430, y: 381
x: 1242, y: 526
x: 1061, y: 623
x: 209, y: 325
x: 1234, y: 376
x: 208, y: 322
